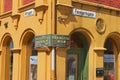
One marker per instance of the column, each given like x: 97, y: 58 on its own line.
x: 15, y: 5
x: 1, y: 6
x: 99, y: 62
x: 16, y: 63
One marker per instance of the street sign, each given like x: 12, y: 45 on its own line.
x: 52, y: 40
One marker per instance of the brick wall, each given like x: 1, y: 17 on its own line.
x: 7, y: 5
x: 112, y: 3
x: 27, y: 1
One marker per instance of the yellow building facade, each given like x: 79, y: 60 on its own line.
x: 92, y: 51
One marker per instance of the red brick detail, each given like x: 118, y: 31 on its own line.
x: 27, y: 1
x: 7, y: 5
x: 111, y: 3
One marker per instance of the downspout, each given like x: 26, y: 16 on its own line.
x: 53, y: 31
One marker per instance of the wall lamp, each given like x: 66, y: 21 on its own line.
x: 61, y: 19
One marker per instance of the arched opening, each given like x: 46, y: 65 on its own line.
x: 77, y: 58
x: 28, y: 58
x: 33, y: 63
x: 7, y: 58
x: 110, y: 62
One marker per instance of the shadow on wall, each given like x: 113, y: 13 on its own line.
x: 65, y: 15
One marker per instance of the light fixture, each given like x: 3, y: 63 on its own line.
x: 61, y: 19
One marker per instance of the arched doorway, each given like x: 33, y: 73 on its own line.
x: 77, y: 58
x: 110, y: 56
x: 7, y: 58
x: 28, y: 53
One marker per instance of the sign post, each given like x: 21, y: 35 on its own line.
x: 52, y: 40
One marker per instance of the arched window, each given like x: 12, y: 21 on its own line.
x: 77, y: 58
x: 11, y: 60
x: 109, y: 61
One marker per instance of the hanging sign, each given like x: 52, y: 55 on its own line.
x: 83, y: 13
x: 52, y: 40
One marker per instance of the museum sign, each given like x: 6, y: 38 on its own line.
x: 51, y: 40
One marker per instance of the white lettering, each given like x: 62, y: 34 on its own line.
x: 29, y: 13
x: 84, y: 13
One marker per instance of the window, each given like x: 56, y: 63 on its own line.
x: 77, y: 58
x: 109, y: 61
x: 7, y: 5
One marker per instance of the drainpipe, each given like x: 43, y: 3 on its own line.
x: 53, y: 64
x: 53, y: 31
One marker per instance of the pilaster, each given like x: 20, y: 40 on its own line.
x: 99, y: 61
x: 16, y: 62
x: 43, y: 72
x: 1, y: 6
x: 15, y: 5
x: 15, y: 15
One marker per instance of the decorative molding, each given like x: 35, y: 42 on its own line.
x: 66, y: 5
x: 6, y: 25
x: 6, y: 14
x: 44, y: 49
x: 15, y: 50
x: 16, y: 19
x: 99, y: 49
x: 40, y: 11
x: 26, y: 7
x: 100, y: 25
x: 96, y: 4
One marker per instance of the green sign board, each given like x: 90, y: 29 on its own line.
x: 52, y: 40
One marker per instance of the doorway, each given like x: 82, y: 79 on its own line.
x: 77, y: 58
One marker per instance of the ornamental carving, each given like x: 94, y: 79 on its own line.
x: 100, y: 25
x: 16, y: 19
